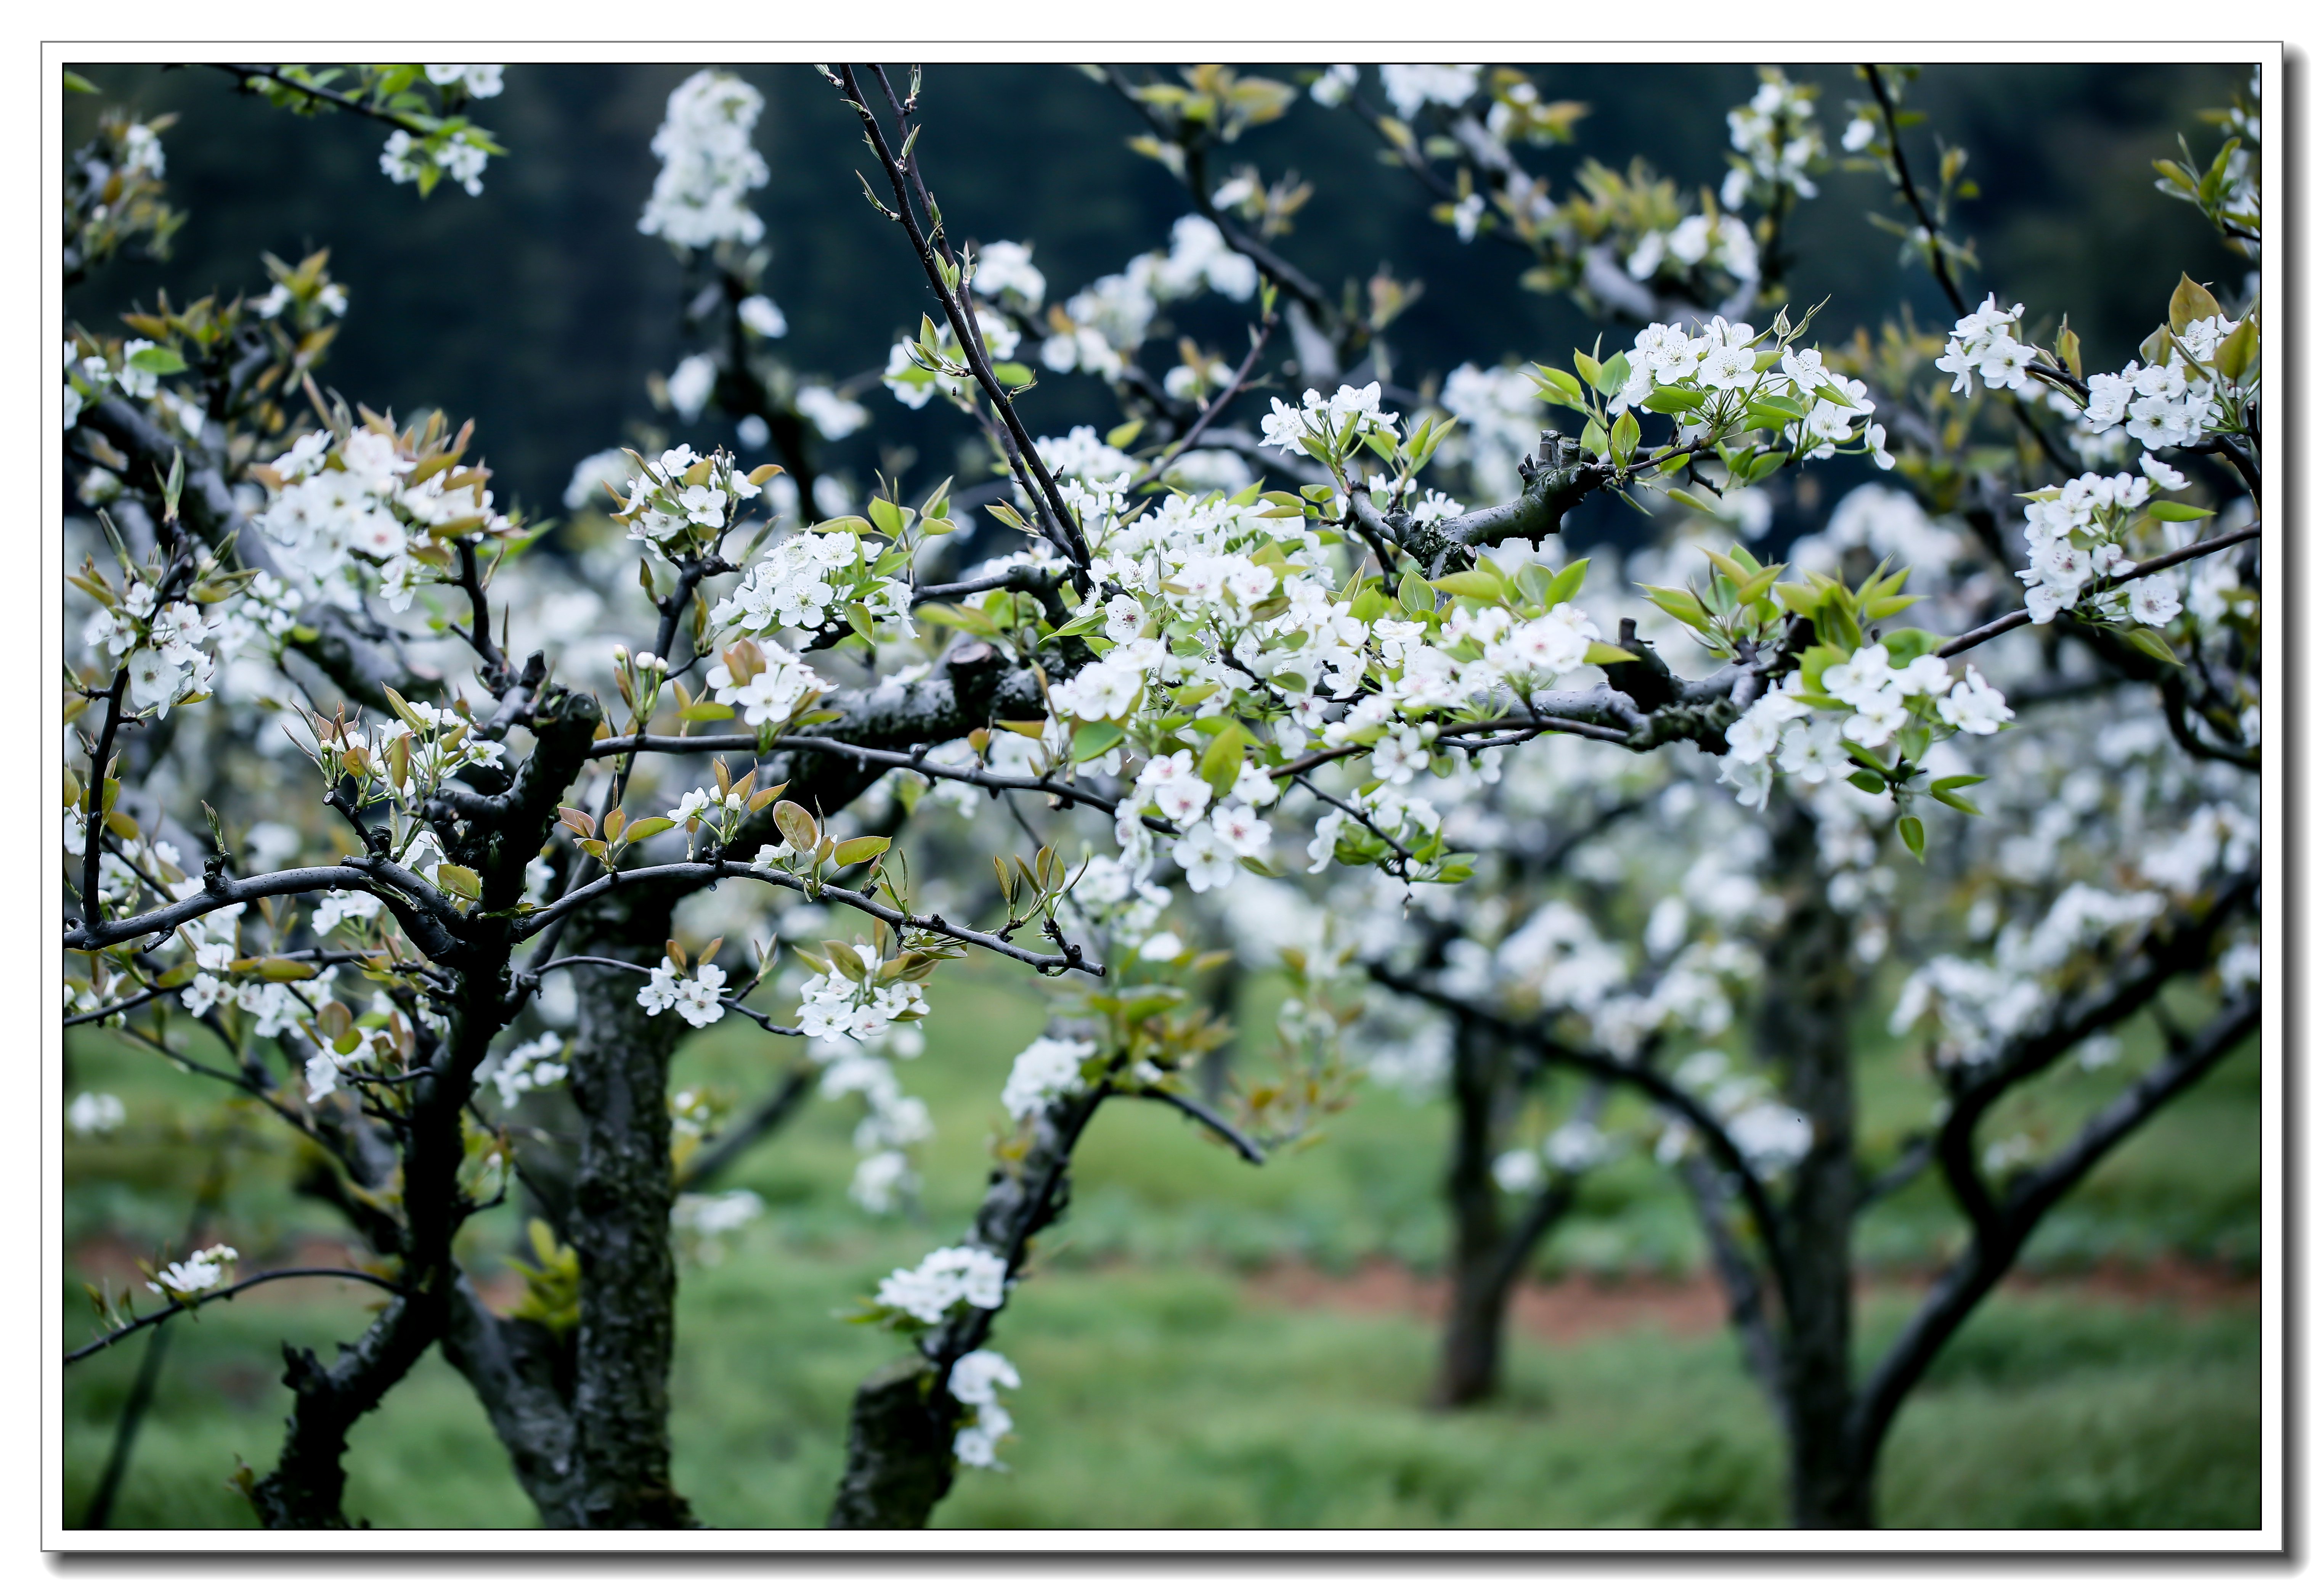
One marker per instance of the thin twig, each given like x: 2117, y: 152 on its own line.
x: 228, y: 1293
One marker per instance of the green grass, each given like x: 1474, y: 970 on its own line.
x: 1160, y: 1391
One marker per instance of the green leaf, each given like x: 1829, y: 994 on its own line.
x: 2190, y: 302
x: 1096, y: 740
x: 1413, y: 592
x: 1559, y: 387
x: 859, y: 850
x: 1962, y: 803
x: 1613, y: 374
x: 1222, y: 760
x: 1586, y: 367
x: 1012, y: 374
x: 797, y: 825
x: 1905, y: 645
x: 1125, y: 434
x: 459, y: 881
x: 1909, y: 829
x: 2177, y: 512
x: 1626, y: 436
x: 160, y: 359
x: 1864, y: 779
x: 1606, y: 652
x: 1695, y: 501
x: 1566, y: 582
x: 644, y: 829
x: 1680, y: 606
x: 2152, y: 642
x: 1674, y: 401
x: 77, y: 84
x: 2238, y: 352
x: 699, y: 712
x: 1482, y: 583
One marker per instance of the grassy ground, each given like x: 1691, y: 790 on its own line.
x: 1161, y: 1389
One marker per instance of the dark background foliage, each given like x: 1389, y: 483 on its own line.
x: 540, y: 307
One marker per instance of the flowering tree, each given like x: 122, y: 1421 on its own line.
x: 1795, y: 918
x: 1238, y: 632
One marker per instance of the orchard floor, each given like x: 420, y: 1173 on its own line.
x: 1209, y: 1345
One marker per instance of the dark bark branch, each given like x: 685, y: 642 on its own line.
x: 1746, y: 1303
x: 1995, y: 1244
x: 309, y: 1483
x: 2010, y: 621
x: 512, y: 1366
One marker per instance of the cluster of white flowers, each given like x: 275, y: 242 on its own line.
x: 711, y: 1216
x: 339, y: 506
x: 708, y: 164
x: 1978, y: 1006
x: 698, y: 997
x: 682, y: 499
x: 2217, y: 836
x: 1501, y: 416
x: 537, y: 1065
x: 141, y: 150
x: 863, y: 1009
x: 1332, y: 86
x: 477, y: 82
x: 160, y: 644
x: 89, y: 374
x: 976, y: 1380
x: 1004, y: 269
x: 1724, y: 240
x: 92, y: 1114
x: 1099, y: 326
x: 1333, y: 427
x: 1723, y: 363
x: 1982, y: 344
x: 1409, y: 88
x: 600, y: 476
x: 892, y: 1121
x: 767, y: 685
x: 956, y: 1275
x: 2075, y: 534
x: 1770, y: 1134
x: 2165, y: 406
x: 690, y: 383
x: 1082, y: 453
x: 831, y: 414
x: 1044, y: 1072
x: 1777, y: 140
x: 203, y: 1270
x: 432, y: 743
x: 1873, y: 695
x: 406, y: 159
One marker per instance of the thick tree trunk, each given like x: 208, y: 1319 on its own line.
x: 1803, y: 1027
x: 620, y: 1220
x: 899, y: 1460
x: 1469, y: 1368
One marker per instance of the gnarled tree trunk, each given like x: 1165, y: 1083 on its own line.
x: 1803, y: 1025
x: 620, y: 1225
x: 1469, y: 1370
